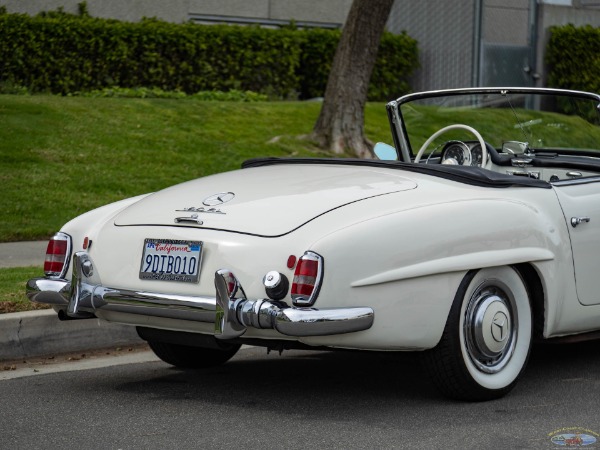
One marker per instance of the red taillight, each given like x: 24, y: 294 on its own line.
x: 232, y: 284
x: 307, y: 279
x: 57, y: 255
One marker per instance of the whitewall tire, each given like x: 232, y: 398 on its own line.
x: 486, y: 342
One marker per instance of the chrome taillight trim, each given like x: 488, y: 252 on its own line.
x: 66, y: 264
x: 300, y: 299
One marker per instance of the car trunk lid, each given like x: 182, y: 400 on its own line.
x: 264, y: 201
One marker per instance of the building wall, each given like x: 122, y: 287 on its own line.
x: 485, y: 42
x: 332, y: 12
x: 506, y: 55
x: 464, y: 42
x: 127, y: 10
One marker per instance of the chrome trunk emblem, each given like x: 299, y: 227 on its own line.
x: 218, y: 199
x: 201, y: 209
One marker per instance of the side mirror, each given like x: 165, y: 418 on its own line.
x: 385, y: 152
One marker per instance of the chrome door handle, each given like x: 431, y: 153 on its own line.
x: 577, y: 220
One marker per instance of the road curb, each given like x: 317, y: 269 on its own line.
x: 39, y: 333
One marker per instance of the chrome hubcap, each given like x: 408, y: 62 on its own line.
x: 490, y: 326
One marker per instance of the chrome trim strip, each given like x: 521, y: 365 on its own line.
x: 85, y: 295
x: 58, y: 293
x: 50, y: 291
x: 497, y: 90
x: 314, y: 322
x: 575, y: 181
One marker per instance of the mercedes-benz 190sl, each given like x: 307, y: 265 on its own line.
x: 474, y: 234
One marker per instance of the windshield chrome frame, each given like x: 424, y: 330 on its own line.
x: 400, y: 134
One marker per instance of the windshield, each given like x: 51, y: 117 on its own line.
x: 549, y: 120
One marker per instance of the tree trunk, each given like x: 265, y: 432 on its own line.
x: 340, y: 126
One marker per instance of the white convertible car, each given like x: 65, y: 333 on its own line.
x: 476, y: 233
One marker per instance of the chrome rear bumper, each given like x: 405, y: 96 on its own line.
x: 230, y: 311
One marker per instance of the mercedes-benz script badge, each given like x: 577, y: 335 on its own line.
x: 218, y: 199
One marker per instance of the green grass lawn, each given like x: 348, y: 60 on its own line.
x: 12, y: 288
x: 62, y: 156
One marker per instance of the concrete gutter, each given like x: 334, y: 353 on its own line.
x: 39, y: 333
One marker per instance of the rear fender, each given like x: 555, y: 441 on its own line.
x: 414, y: 260
x: 88, y: 224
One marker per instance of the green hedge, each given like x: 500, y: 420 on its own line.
x: 62, y: 53
x: 396, y: 60
x: 573, y: 58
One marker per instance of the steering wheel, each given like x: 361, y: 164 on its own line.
x: 454, y: 127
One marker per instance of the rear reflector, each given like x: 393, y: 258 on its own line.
x: 57, y: 255
x: 307, y: 279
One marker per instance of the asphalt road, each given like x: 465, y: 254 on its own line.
x: 295, y: 401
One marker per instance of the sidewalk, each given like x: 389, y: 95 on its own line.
x: 39, y: 333
x: 22, y: 254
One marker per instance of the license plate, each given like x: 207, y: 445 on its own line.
x: 170, y: 260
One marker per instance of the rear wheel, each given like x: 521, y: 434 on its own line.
x: 187, y: 357
x: 486, y: 342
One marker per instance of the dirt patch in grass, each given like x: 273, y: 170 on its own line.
x: 11, y: 307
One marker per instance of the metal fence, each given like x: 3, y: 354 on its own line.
x: 468, y: 42
x: 485, y: 42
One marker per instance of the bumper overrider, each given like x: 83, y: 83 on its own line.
x: 230, y: 311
